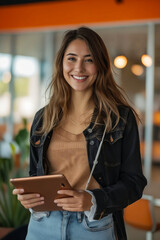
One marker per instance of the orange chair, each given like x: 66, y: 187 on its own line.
x: 141, y: 215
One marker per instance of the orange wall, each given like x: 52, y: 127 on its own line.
x: 76, y: 12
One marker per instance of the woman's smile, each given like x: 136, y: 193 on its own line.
x: 79, y: 78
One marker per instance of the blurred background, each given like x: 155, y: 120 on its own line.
x: 30, y: 35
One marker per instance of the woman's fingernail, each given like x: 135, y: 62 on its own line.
x: 21, y: 190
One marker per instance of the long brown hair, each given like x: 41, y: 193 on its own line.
x: 107, y: 95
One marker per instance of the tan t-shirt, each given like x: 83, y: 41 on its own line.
x: 67, y: 154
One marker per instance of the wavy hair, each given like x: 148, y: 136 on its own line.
x: 107, y: 95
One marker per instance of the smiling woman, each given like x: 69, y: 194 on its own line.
x: 88, y: 132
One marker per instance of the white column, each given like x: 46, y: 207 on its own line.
x: 49, y: 53
x: 149, y: 102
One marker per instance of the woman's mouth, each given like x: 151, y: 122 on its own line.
x: 79, y: 78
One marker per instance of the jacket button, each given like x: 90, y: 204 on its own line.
x: 91, y: 142
x: 90, y: 130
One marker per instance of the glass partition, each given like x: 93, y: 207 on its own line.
x: 32, y: 58
x: 156, y: 117
x: 26, y: 61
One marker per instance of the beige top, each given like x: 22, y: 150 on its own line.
x: 67, y: 154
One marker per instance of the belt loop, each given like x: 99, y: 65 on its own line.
x: 79, y: 217
x: 65, y: 213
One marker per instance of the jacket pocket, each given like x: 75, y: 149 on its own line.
x: 111, y: 137
x: 112, y: 148
x: 114, y: 136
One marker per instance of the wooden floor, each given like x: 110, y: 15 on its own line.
x: 152, y: 188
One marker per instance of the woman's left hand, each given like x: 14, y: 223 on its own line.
x: 77, y: 201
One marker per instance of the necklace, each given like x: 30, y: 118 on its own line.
x: 84, y: 119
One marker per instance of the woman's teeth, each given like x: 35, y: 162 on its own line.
x: 79, y: 78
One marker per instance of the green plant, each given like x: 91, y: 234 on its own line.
x: 12, y: 213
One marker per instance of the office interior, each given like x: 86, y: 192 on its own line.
x: 26, y: 68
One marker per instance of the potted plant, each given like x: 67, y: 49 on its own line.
x: 12, y: 213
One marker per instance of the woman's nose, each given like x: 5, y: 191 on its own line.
x: 79, y: 66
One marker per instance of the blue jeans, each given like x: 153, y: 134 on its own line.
x: 64, y: 225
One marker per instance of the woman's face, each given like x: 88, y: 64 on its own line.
x: 79, y: 69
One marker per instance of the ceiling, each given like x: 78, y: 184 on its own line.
x: 14, y: 2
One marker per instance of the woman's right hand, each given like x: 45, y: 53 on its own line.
x: 28, y: 200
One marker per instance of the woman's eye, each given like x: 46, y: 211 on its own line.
x: 71, y: 59
x: 89, y: 60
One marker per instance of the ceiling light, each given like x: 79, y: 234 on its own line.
x: 120, y: 61
x: 146, y: 60
x: 137, y: 69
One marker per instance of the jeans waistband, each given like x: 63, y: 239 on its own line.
x: 79, y: 215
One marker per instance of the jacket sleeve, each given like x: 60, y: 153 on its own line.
x: 131, y: 182
x: 33, y: 153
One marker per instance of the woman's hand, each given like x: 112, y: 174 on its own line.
x: 77, y: 201
x: 28, y: 200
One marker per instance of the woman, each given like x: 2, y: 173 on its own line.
x: 87, y: 113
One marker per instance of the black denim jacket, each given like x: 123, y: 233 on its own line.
x: 119, y: 169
